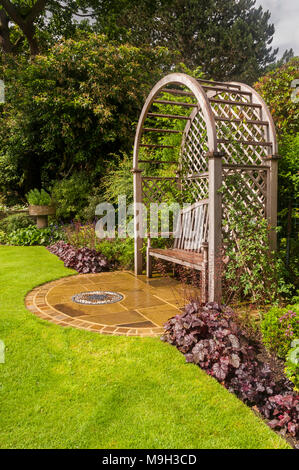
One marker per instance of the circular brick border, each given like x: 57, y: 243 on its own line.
x: 36, y: 302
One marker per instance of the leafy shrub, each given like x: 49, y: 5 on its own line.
x: 34, y: 236
x: 288, y: 213
x: 276, y: 90
x: 292, y: 364
x: 83, y: 260
x: 279, y: 327
x: 87, y: 214
x: 71, y: 196
x: 14, y: 222
x: 212, y: 338
x: 81, y: 236
x: 119, y: 252
x: 120, y: 171
x: 38, y: 198
x: 2, y: 237
x: 289, y: 254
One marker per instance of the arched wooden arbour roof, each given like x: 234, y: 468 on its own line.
x: 229, y: 129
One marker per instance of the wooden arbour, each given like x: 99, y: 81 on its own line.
x: 229, y: 131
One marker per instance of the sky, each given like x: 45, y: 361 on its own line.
x: 285, y: 16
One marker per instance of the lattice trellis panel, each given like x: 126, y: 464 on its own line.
x: 155, y: 189
x: 236, y: 152
x: 248, y: 185
x: 244, y: 200
x: 241, y: 133
x: 244, y: 193
x: 195, y: 189
x: 193, y: 160
x: 194, y: 163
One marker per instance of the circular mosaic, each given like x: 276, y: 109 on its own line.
x: 97, y: 297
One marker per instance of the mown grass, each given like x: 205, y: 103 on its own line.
x: 66, y: 388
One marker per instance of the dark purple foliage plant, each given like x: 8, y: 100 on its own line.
x: 283, y: 410
x: 83, y: 260
x: 211, y: 337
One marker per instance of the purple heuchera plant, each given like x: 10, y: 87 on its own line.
x: 210, y: 337
x: 283, y: 410
x: 83, y: 260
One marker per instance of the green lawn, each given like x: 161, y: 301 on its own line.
x: 66, y: 388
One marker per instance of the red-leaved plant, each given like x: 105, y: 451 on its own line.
x: 210, y: 337
x: 83, y: 260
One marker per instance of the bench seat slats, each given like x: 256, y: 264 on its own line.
x: 184, y: 257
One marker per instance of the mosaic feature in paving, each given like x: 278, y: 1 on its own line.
x: 97, y: 297
x: 145, y: 304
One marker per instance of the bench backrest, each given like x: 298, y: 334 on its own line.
x: 192, y: 227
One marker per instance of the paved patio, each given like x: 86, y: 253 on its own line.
x: 146, y: 305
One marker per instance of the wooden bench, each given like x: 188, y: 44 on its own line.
x: 190, y: 246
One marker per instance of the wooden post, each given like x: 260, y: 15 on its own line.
x: 271, y: 207
x: 215, y: 226
x: 137, y: 220
x: 148, y: 259
x: 204, y: 273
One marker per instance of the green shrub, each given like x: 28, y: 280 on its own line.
x: 279, y: 327
x: 81, y: 236
x: 14, y: 222
x: 277, y: 91
x: 3, y: 237
x: 275, y: 88
x: 292, y: 364
x: 38, y: 198
x: 71, y: 196
x: 120, y: 171
x: 34, y: 236
x: 118, y: 251
x: 88, y: 212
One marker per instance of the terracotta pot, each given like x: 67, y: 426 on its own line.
x: 41, y: 213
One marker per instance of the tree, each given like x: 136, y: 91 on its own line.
x: 229, y: 39
x: 71, y: 110
x: 24, y: 14
x: 286, y: 57
x: 31, y: 17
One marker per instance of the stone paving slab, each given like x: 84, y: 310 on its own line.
x: 146, y: 305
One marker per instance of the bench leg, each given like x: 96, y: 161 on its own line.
x: 148, y: 264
